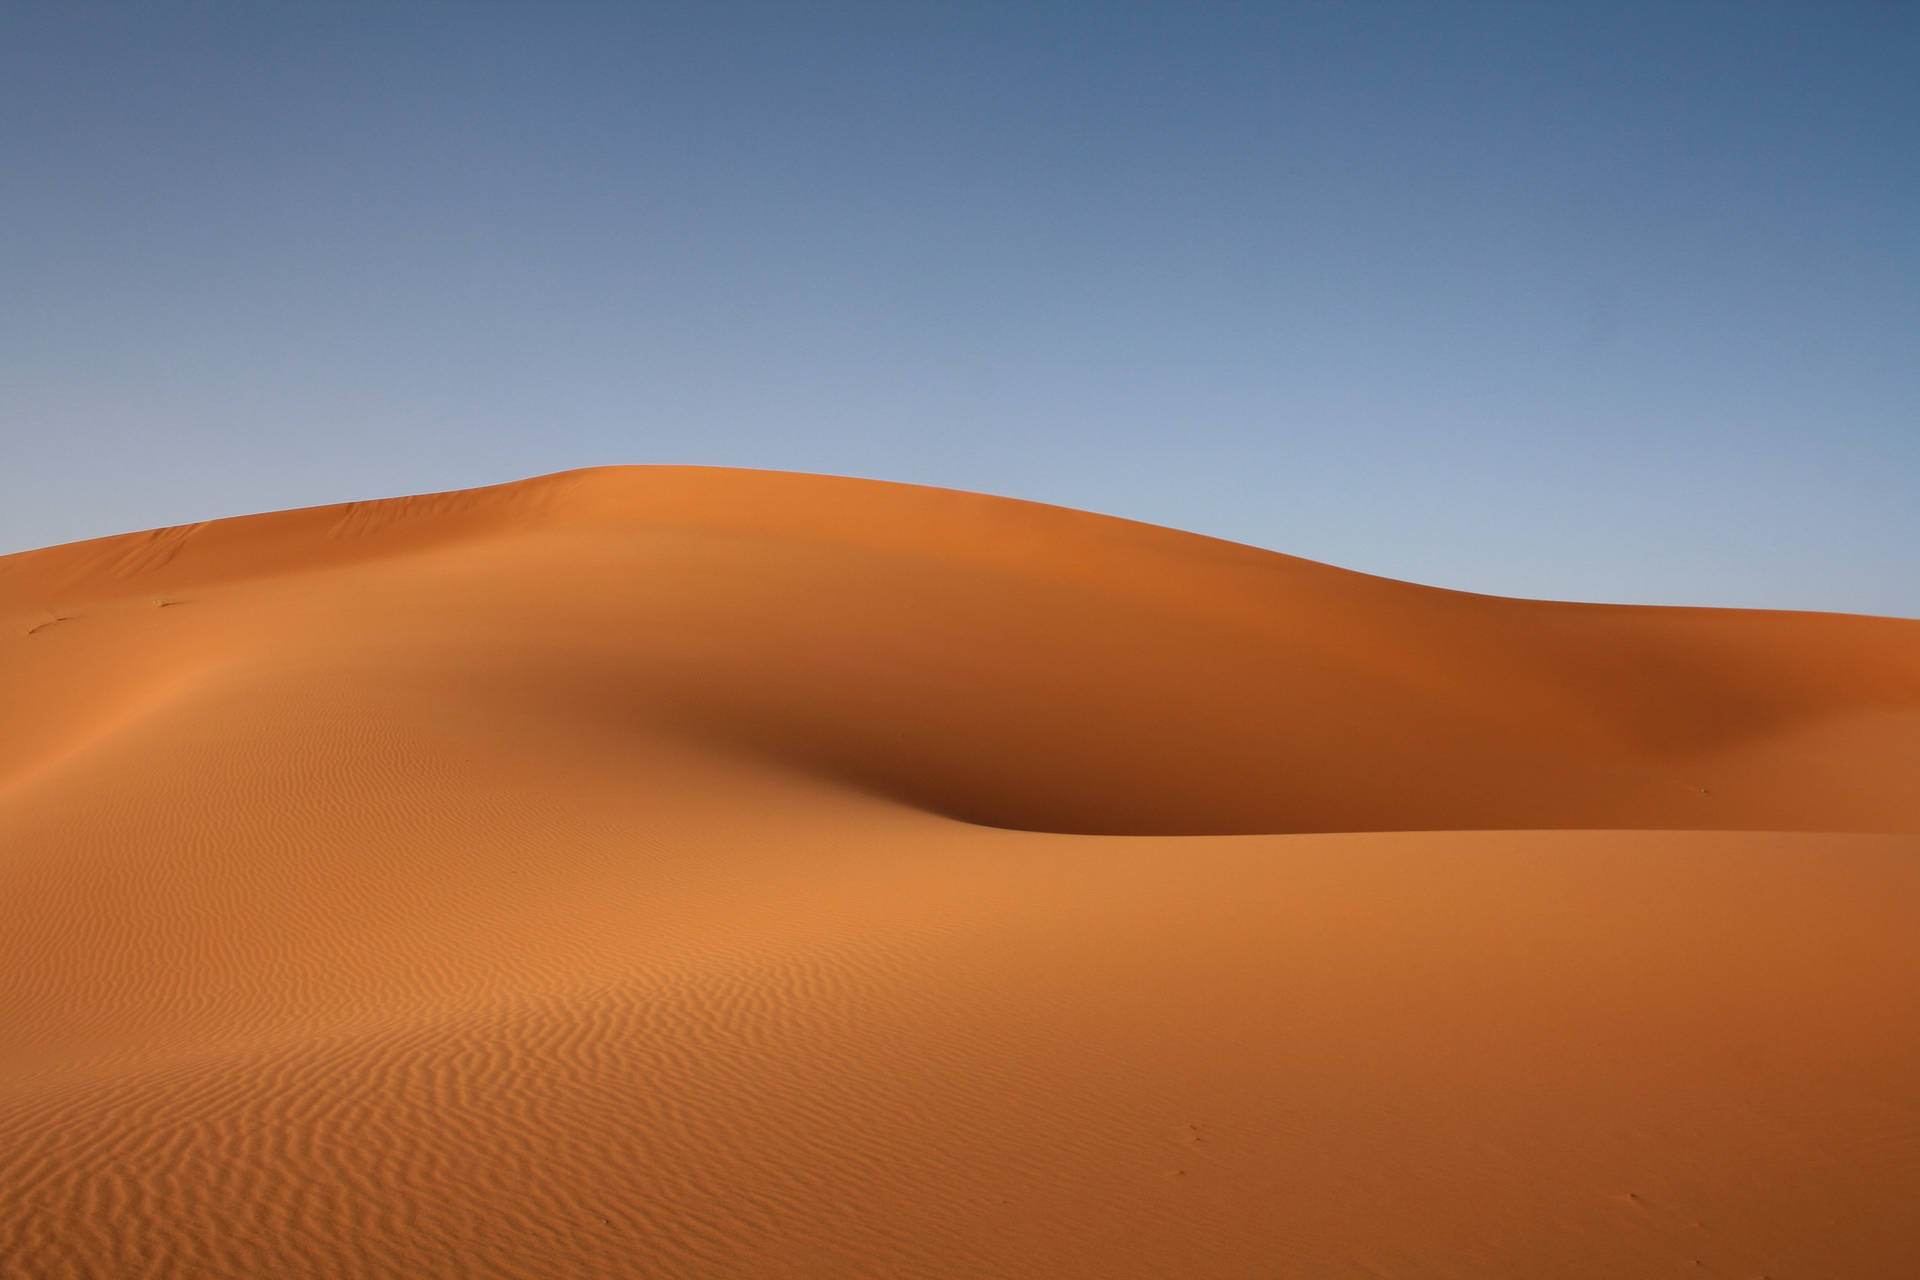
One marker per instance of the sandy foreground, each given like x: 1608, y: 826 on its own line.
x: 683, y: 872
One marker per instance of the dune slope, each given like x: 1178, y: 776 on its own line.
x: 675, y: 871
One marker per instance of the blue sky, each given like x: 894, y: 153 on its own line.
x: 1589, y: 301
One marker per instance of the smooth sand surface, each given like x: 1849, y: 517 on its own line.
x: 684, y: 872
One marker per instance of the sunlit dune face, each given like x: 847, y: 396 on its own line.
x: 673, y: 871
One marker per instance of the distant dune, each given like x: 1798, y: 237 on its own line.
x: 688, y: 872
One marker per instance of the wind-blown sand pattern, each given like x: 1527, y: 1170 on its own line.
x: 683, y: 872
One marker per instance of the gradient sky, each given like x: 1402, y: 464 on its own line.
x: 1609, y: 301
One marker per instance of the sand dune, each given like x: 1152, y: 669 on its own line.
x: 686, y: 872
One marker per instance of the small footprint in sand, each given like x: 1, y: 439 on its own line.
x: 1192, y: 1135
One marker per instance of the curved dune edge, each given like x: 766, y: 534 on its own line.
x: 1005, y: 663
x: 564, y: 879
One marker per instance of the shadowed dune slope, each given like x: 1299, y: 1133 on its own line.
x: 696, y: 873
x: 1005, y: 663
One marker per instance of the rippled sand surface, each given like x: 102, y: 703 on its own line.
x: 685, y: 872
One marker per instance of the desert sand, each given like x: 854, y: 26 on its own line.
x: 681, y: 872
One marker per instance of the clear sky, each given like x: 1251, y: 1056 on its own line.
x: 1606, y: 301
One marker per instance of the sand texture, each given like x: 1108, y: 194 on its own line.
x: 677, y: 872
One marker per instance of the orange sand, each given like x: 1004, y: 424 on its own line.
x: 680, y: 872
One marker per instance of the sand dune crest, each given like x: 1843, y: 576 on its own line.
x: 677, y: 871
